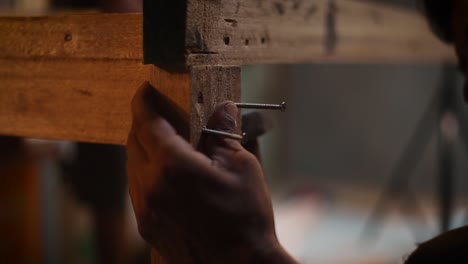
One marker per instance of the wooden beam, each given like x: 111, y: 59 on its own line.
x: 202, y: 88
x: 82, y: 92
x: 84, y: 36
x: 236, y: 32
x: 82, y: 100
x: 89, y: 100
x: 46, y: 61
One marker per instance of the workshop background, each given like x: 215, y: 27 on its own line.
x: 355, y: 166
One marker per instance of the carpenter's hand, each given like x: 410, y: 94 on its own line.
x: 216, y: 201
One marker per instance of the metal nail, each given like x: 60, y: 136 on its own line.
x: 223, y: 134
x: 281, y: 106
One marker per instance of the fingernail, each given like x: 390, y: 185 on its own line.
x: 230, y: 112
x: 230, y: 108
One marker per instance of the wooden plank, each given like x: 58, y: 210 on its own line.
x: 89, y: 101
x: 203, y: 88
x: 236, y: 32
x: 42, y: 71
x: 82, y: 100
x: 20, y: 203
x: 231, y: 32
x: 84, y: 36
x: 211, y: 85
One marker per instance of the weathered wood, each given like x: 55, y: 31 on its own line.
x: 236, y: 32
x: 203, y: 88
x: 230, y: 32
x: 211, y: 85
x: 82, y: 100
x: 84, y: 36
x: 88, y: 100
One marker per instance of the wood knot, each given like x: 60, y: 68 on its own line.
x: 68, y: 37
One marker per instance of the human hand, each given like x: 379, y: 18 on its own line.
x: 214, y: 200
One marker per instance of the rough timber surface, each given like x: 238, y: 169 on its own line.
x: 78, y: 100
x: 237, y: 32
x: 78, y: 36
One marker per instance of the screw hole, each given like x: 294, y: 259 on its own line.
x: 68, y: 37
x: 247, y: 42
x: 200, y: 98
x: 227, y: 40
x: 263, y: 40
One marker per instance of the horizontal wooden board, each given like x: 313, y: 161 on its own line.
x: 236, y: 32
x: 82, y: 100
x: 233, y: 32
x: 83, y: 36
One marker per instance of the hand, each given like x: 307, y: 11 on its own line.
x: 214, y: 202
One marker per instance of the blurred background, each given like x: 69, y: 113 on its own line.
x: 361, y: 165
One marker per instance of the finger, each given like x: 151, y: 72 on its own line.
x: 153, y: 136
x: 236, y: 159
x: 192, y: 168
x: 224, y: 118
x: 159, y: 139
x: 149, y: 128
x: 141, y: 105
x: 135, y: 151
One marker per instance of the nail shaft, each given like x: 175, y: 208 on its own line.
x: 281, y: 106
x: 222, y: 133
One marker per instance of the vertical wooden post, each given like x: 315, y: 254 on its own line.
x: 19, y: 203
x: 197, y: 92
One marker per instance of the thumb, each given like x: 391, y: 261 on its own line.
x: 224, y: 118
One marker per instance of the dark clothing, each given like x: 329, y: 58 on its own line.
x: 448, y: 248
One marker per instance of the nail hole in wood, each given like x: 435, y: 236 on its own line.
x: 227, y: 40
x: 68, y: 37
x: 233, y: 22
x: 247, y: 42
x: 279, y: 8
x: 200, y: 98
x: 263, y: 40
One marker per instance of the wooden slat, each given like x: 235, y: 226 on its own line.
x: 52, y: 86
x: 201, y: 90
x: 83, y: 100
x: 259, y: 32
x: 84, y: 36
x: 236, y: 32
x: 211, y: 85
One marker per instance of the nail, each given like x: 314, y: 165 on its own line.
x: 281, y: 106
x: 223, y: 134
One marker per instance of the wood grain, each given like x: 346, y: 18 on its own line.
x: 72, y: 77
x: 82, y: 100
x: 203, y: 88
x: 211, y: 85
x: 237, y: 32
x: 83, y: 36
